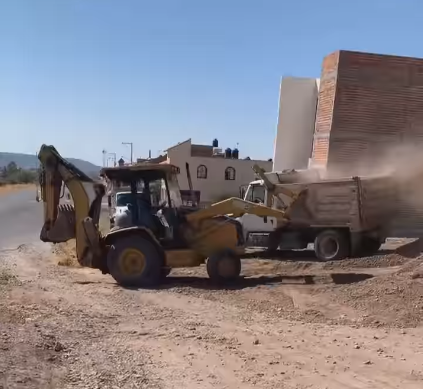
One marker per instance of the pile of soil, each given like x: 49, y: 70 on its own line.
x: 65, y: 253
x: 394, y: 299
x: 377, y: 261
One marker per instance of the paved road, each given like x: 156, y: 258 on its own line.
x: 21, y: 218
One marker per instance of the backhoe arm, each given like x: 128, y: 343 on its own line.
x: 235, y: 207
x: 63, y: 222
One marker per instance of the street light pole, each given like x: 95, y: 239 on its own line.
x: 104, y: 157
x: 132, y: 145
x: 112, y: 156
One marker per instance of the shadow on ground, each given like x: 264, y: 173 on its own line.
x: 251, y: 282
x: 296, y: 255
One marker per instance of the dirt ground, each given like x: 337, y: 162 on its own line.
x: 5, y: 189
x: 286, y: 324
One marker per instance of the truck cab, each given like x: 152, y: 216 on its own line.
x: 256, y: 228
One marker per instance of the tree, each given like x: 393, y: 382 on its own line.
x: 12, y: 174
x: 11, y: 167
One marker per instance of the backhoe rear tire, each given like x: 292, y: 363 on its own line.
x: 223, y: 267
x: 134, y: 261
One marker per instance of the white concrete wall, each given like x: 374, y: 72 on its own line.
x: 297, y: 112
x: 214, y: 187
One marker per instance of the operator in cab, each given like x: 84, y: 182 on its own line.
x: 145, y: 217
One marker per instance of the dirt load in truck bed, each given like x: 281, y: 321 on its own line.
x: 359, y: 203
x: 292, y: 324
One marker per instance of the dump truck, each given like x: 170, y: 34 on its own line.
x: 342, y: 217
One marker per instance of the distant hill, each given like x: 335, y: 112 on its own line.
x: 28, y: 161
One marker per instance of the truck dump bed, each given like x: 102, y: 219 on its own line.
x: 360, y: 203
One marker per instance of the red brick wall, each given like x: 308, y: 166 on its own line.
x: 325, y: 109
x: 371, y: 105
x: 367, y: 102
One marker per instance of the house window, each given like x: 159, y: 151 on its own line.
x: 202, y: 172
x: 229, y: 174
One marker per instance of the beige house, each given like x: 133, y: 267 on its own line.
x: 215, y: 173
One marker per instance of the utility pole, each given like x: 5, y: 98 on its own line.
x: 112, y: 156
x: 132, y: 145
x: 104, y: 157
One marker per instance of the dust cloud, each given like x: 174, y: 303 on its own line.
x: 402, y: 164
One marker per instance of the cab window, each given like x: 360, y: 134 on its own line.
x: 256, y: 193
x: 123, y: 199
x: 158, y: 193
x: 249, y: 194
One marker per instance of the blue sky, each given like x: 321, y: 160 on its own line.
x: 85, y: 75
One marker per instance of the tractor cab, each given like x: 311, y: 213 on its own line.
x: 152, y: 196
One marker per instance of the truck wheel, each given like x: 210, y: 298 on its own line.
x: 165, y: 271
x: 369, y: 246
x: 274, y: 240
x: 134, y: 261
x: 331, y: 245
x: 223, y: 267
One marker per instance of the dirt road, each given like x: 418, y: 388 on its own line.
x: 64, y: 327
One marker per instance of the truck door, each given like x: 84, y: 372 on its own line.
x: 253, y: 224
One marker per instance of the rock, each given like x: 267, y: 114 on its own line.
x: 58, y: 347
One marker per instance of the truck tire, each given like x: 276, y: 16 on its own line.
x: 331, y: 245
x: 165, y: 271
x: 223, y: 267
x: 134, y: 261
x: 274, y: 240
x: 369, y: 246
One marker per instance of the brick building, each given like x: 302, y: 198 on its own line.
x: 370, y: 107
x: 368, y: 104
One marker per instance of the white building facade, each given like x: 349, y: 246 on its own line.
x: 217, y: 174
x: 296, y: 122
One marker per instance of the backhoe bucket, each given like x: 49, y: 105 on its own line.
x: 63, y: 228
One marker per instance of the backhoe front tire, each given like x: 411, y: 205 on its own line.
x: 134, y: 261
x: 223, y: 267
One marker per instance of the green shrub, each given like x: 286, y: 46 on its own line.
x: 12, y: 174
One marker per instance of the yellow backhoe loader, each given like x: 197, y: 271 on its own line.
x: 155, y: 234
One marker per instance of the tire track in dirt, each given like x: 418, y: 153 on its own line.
x: 100, y: 335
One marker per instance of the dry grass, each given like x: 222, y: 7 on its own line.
x: 5, y: 276
x: 5, y: 189
x: 66, y: 252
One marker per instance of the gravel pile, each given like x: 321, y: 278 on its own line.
x: 393, y: 300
